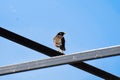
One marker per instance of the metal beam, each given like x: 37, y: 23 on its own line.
x: 60, y: 60
x: 50, y: 52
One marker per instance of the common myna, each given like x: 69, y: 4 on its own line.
x: 59, y: 41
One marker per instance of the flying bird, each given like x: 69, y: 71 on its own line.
x: 59, y: 41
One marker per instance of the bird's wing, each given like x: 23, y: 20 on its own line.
x: 63, y: 44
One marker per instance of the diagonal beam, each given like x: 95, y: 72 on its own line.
x: 50, y: 52
x: 60, y: 60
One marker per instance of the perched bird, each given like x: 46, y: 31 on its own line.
x: 59, y: 41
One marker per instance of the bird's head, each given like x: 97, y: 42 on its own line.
x: 61, y: 33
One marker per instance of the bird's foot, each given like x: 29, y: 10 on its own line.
x: 61, y: 51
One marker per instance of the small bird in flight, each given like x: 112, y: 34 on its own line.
x: 59, y: 41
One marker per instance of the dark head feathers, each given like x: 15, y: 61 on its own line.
x: 61, y: 33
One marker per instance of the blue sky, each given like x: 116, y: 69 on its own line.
x: 89, y: 24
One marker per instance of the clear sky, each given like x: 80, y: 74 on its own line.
x: 89, y: 24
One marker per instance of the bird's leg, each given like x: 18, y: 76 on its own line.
x: 61, y: 51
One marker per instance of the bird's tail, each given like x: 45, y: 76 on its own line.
x: 62, y: 48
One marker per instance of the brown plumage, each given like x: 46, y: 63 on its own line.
x: 59, y: 41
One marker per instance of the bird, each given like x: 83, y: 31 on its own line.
x: 59, y: 41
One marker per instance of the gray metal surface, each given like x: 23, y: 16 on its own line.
x: 50, y: 52
x: 60, y: 60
